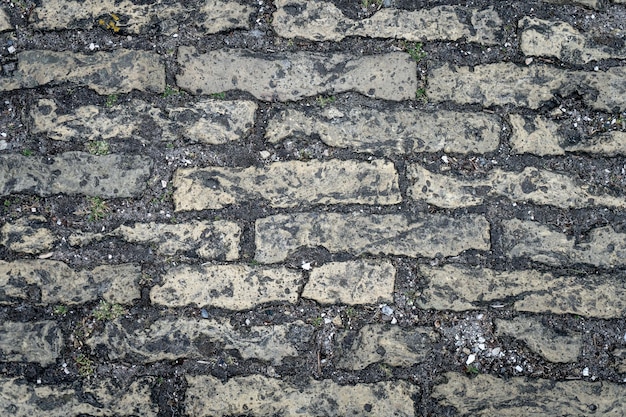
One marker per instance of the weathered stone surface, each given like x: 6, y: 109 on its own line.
x: 5, y: 24
x: 532, y: 184
x: 293, y: 76
x: 562, y: 41
x: 486, y: 395
x: 323, y: 21
x: 589, y: 3
x: 391, y: 131
x: 540, y: 136
x: 604, y: 247
x: 169, y: 339
x: 58, y: 283
x: 277, y: 237
x: 236, y: 287
x: 461, y: 288
x: 39, y: 342
x: 118, y: 71
x: 108, y: 176
x: 553, y: 346
x: 507, y: 83
x: 258, y: 396
x: 207, y: 121
x: 288, y: 184
x: 354, y: 282
x: 97, y: 397
x: 27, y: 235
x: 391, y: 345
x: 620, y: 360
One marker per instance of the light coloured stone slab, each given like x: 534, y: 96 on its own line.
x: 294, y: 76
x: 58, y: 283
x: 604, y: 246
x: 5, y: 24
x: 323, y: 21
x: 27, y: 235
x: 391, y: 131
x: 39, y: 342
x: 258, y: 396
x: 589, y: 3
x: 532, y: 184
x: 486, y: 396
x: 170, y: 339
x: 107, y: 176
x: 277, y: 237
x: 288, y: 184
x: 236, y: 287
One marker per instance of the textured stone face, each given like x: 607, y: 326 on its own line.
x: 39, y: 342
x: 27, y: 235
x: 5, y: 24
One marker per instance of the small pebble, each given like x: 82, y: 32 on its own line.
x: 11, y: 49
x: 519, y: 368
x: 586, y: 372
x: 264, y: 154
x: 306, y: 266
x: 204, y: 313
x: 528, y: 61
x: 470, y: 359
x: 386, y: 310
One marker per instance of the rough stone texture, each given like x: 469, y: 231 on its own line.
x: 487, y: 396
x: 620, y: 360
x: 39, y: 342
x: 461, y: 288
x: 541, y: 136
x: 323, y: 21
x: 207, y: 121
x: 532, y: 184
x: 560, y: 40
x: 258, y: 396
x: 553, y: 346
x: 507, y: 83
x: 108, y: 176
x: 277, y: 237
x: 5, y: 24
x: 98, y: 397
x: 236, y: 287
x: 391, y: 131
x: 288, y: 184
x: 589, y: 3
x: 604, y: 247
x: 170, y: 339
x: 386, y: 344
x: 58, y: 283
x: 119, y: 71
x: 354, y: 282
x: 27, y: 235
x: 293, y: 76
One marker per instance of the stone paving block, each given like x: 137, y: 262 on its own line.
x: 116, y: 72
x: 553, y: 346
x: 540, y: 136
x: 487, y: 396
x: 278, y: 236
x: 97, y: 397
x: 236, y: 287
x: 107, y: 176
x: 353, y: 282
x: 461, y: 288
x: 293, y: 76
x: 560, y: 40
x: 534, y: 185
x: 288, y: 184
x: 589, y: 3
x: 391, y: 131
x: 207, y: 121
x: 170, y: 339
x: 604, y: 246
x: 39, y: 342
x: 5, y: 23
x: 27, y: 235
x: 256, y: 395
x: 386, y: 344
x: 58, y: 283
x: 323, y: 21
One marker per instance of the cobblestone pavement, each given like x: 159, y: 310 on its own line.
x: 276, y: 208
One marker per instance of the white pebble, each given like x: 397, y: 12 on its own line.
x: 11, y: 49
x: 163, y: 183
x: 470, y: 359
x: 586, y: 372
x: 306, y: 266
x: 519, y: 368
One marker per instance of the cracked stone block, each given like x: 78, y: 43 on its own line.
x: 39, y: 342
x: 5, y: 24
x: 27, y: 235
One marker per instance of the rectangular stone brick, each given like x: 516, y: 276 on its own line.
x: 118, y: 71
x: 293, y: 76
x: 257, y: 395
x: 279, y: 236
x: 236, y: 287
x: 5, y: 23
x: 27, y: 235
x: 55, y: 282
x: 39, y: 342
x: 391, y: 131
x: 288, y: 184
x: 107, y: 176
x: 532, y: 184
x: 589, y: 3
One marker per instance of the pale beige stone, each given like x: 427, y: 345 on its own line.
x: 294, y: 76
x: 620, y: 360
x: 5, y: 24
x: 27, y: 235
x: 589, y: 3
x: 39, y: 342
x: 257, y: 395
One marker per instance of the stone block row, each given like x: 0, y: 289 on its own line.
x: 39, y: 342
